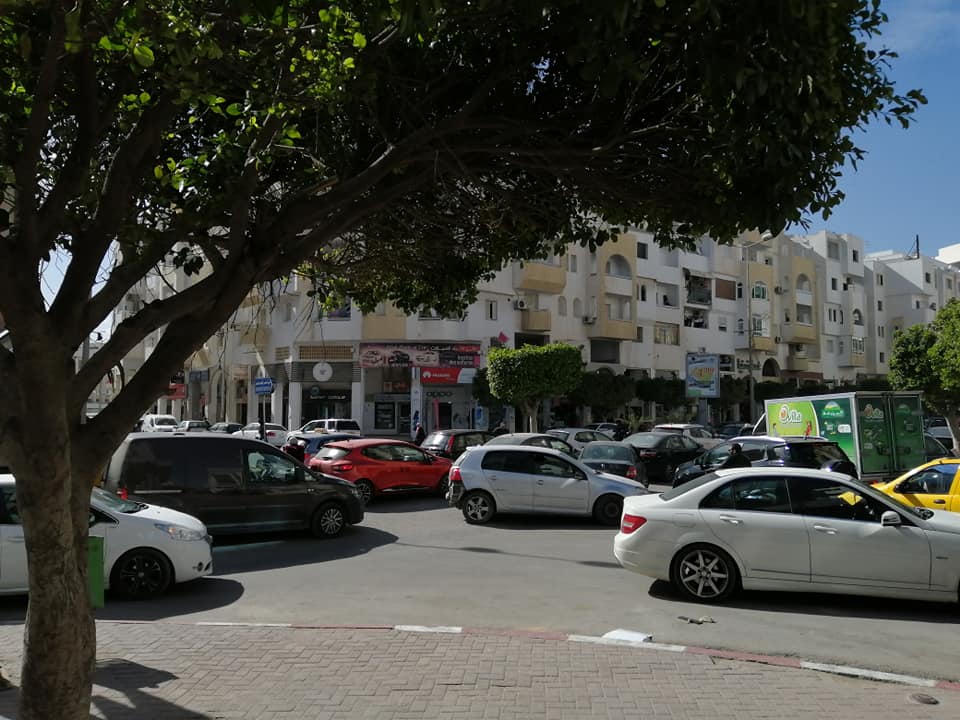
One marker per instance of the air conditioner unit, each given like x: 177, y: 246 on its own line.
x: 520, y: 304
x: 589, y: 319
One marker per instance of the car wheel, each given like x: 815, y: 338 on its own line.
x: 443, y: 486
x: 608, y: 509
x: 365, y: 488
x: 478, y: 507
x: 328, y: 520
x: 141, y: 574
x: 705, y: 573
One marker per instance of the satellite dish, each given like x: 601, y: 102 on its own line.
x: 322, y: 371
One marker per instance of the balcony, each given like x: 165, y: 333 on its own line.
x: 699, y: 291
x: 535, y: 320
x: 539, y: 277
x: 613, y: 329
x: 797, y: 332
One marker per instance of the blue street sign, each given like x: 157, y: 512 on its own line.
x: 263, y: 385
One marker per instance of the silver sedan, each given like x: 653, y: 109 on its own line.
x: 789, y: 529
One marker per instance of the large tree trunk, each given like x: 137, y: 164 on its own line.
x: 53, y: 500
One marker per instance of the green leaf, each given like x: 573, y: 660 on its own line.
x: 234, y: 109
x: 157, y: 172
x: 143, y: 56
x: 144, y: 98
x: 349, y: 63
x: 359, y: 40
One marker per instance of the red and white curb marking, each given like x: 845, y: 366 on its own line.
x: 620, y: 637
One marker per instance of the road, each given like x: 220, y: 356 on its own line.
x: 415, y: 561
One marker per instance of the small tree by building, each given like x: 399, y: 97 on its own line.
x: 604, y: 391
x: 528, y: 375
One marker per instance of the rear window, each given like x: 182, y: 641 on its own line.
x: 434, y: 440
x: 644, y: 440
x: 332, y: 453
x: 812, y: 454
x: 507, y: 461
x: 165, y: 421
x: 607, y: 452
x: 347, y: 425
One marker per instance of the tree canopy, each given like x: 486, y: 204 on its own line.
x: 604, y: 391
x: 388, y: 149
x: 528, y: 375
x: 926, y: 358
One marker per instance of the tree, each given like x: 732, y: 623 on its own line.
x: 669, y: 393
x: 528, y: 375
x: 924, y: 358
x: 390, y: 149
x: 604, y: 391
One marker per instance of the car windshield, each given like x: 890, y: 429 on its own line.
x: 607, y: 452
x: 644, y: 440
x: 165, y: 421
x: 562, y: 434
x: 108, y: 501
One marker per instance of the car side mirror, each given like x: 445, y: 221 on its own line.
x: 903, y: 487
x: 890, y: 518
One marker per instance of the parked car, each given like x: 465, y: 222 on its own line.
x: 312, y: 442
x: 193, y: 426
x: 146, y: 548
x: 943, y: 435
x: 764, y: 450
x: 932, y: 421
x: 933, y: 485
x: 578, y: 437
x: 535, y: 439
x: 233, y: 484
x: 346, y: 426
x: 495, y: 479
x: 789, y: 529
x: 276, y: 435
x: 934, y: 448
x: 662, y: 452
x: 226, y: 427
x: 378, y: 466
x: 615, y: 458
x: 698, y: 433
x: 157, y: 423
x: 731, y: 430
x: 607, y: 428
x: 450, y: 443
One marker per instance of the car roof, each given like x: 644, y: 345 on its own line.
x: 617, y: 443
x: 525, y: 435
x: 679, y: 426
x: 518, y: 448
x: 6, y: 479
x: 814, y: 473
x: 366, y: 442
x: 455, y: 431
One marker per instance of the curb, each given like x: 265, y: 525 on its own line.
x: 619, y: 637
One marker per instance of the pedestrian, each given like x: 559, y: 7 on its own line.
x: 736, y: 458
x: 421, y: 435
x: 500, y: 429
x: 622, y: 429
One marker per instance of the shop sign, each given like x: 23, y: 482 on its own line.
x: 447, y: 376
x: 423, y: 355
x: 315, y: 392
x: 176, y: 391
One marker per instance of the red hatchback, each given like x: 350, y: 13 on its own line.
x: 381, y: 466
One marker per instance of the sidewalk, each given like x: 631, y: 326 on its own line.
x: 164, y: 671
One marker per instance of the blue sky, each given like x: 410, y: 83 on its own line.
x: 909, y: 183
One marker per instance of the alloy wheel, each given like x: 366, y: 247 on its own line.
x: 704, y: 574
x: 366, y: 491
x: 331, y: 520
x: 477, y: 508
x: 143, y: 575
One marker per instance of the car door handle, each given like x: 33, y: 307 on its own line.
x: 732, y: 520
x: 825, y: 529
x: 539, y: 482
x: 939, y: 501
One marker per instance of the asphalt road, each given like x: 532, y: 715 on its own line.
x: 415, y: 561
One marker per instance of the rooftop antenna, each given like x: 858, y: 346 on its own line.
x: 916, y: 248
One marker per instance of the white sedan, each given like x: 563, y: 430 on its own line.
x: 276, y: 434
x: 146, y: 548
x: 789, y: 529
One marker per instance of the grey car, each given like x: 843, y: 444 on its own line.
x: 492, y: 479
x: 535, y: 439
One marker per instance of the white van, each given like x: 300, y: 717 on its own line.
x: 158, y: 423
x: 333, y: 425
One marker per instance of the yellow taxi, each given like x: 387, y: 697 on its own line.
x: 933, y: 485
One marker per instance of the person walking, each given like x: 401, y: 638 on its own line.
x: 420, y: 435
x: 736, y: 458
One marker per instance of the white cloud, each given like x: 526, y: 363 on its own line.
x: 918, y: 26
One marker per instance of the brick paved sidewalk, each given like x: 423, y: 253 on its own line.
x: 162, y: 671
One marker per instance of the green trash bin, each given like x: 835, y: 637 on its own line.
x: 95, y: 571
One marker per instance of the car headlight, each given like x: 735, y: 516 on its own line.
x: 178, y: 532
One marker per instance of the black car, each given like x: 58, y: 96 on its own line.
x: 451, y: 443
x: 662, y: 452
x: 232, y: 484
x: 535, y: 439
x: 616, y: 458
x: 768, y: 451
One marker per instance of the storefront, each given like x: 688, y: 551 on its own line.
x: 312, y: 390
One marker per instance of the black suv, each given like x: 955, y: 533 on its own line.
x: 768, y: 451
x: 451, y: 443
x: 233, y: 484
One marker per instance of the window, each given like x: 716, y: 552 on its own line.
x: 642, y: 250
x: 725, y: 289
x: 841, y: 317
x: 605, y: 351
x: 740, y: 326
x: 562, y: 306
x: 829, y: 346
x: 916, y: 304
x: 9, y: 514
x: 882, y: 357
x: 833, y: 251
x: 856, y: 346
x: 269, y: 469
x: 759, y: 290
x: 340, y: 313
x: 288, y: 312
x: 823, y: 498
x: 593, y: 262
x: 857, y: 317
x: 932, y: 481
x: 722, y: 324
x: 879, y: 305
x: 491, y: 309
x: 833, y: 283
x: 750, y: 495
x: 803, y: 283
x: 739, y: 290
x: 840, y: 347
x: 549, y: 466
x: 666, y: 334
x: 805, y: 314
x: 506, y: 461
x: 577, y: 307
x: 879, y: 279
x: 926, y: 278
x: 855, y: 255
x: 757, y: 326
x: 639, y: 333
x: 572, y: 263
x: 617, y: 266
x: 643, y: 293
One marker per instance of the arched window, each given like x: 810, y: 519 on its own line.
x: 618, y: 266
x: 562, y: 306
x: 803, y: 283
x: 577, y: 307
x: 759, y: 290
x: 643, y: 293
x: 857, y: 317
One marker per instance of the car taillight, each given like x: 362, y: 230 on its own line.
x: 631, y: 472
x: 342, y: 467
x: 454, y: 475
x: 647, y: 454
x: 629, y: 523
x: 271, y: 433
x: 122, y: 493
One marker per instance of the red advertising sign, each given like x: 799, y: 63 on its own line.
x: 176, y: 391
x: 424, y: 355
